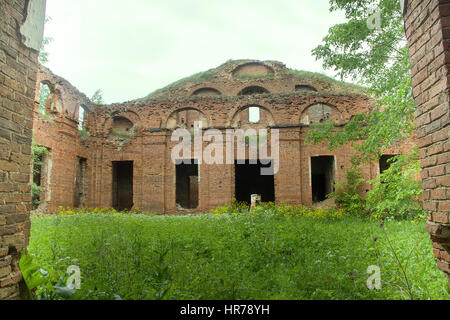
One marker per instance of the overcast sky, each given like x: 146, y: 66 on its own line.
x: 131, y: 48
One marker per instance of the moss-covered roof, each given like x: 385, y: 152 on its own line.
x: 223, y: 74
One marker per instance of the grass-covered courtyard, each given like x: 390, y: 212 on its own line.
x: 272, y: 253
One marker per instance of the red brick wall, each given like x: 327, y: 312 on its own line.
x: 154, y: 181
x: 150, y: 149
x: 58, y: 131
x: 427, y: 24
x: 18, y: 65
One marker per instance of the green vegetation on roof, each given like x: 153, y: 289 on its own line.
x: 269, y: 76
x: 337, y: 85
x: 198, y: 77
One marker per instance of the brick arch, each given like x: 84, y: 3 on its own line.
x: 338, y: 105
x: 336, y: 113
x: 305, y: 87
x: 77, y: 110
x: 55, y: 97
x: 174, y: 112
x: 129, y: 115
x: 427, y: 25
x: 235, y: 112
x: 253, y: 68
x: 50, y: 85
x: 207, y: 90
x: 253, y: 88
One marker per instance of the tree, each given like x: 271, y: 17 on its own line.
x: 371, y: 49
x: 97, y: 97
x: 43, y: 55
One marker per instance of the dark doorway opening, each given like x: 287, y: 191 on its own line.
x: 385, y: 162
x: 79, y: 195
x: 248, y: 181
x: 322, y: 177
x: 122, y: 185
x: 187, y: 184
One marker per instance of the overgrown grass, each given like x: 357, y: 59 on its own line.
x: 273, y: 253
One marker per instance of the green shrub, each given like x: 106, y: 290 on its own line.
x: 347, y: 194
x: 396, y: 192
x: 282, y: 210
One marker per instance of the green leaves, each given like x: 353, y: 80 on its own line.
x: 347, y: 193
x: 378, y: 58
x: 97, y: 97
x: 396, y: 192
x: 40, y: 282
x: 44, y: 93
x: 64, y: 291
x: 43, y: 55
x: 33, y: 275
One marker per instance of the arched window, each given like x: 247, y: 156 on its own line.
x: 44, y: 93
x: 81, y: 117
x: 252, y: 116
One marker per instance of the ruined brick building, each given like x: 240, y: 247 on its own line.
x: 86, y: 168
x: 121, y: 158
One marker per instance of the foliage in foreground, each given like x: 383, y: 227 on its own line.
x: 397, y: 191
x: 271, y: 253
x: 377, y: 57
x: 348, y: 194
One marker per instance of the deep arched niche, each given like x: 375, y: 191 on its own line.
x: 186, y: 118
x: 319, y: 112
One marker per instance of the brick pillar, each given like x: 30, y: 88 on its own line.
x: 427, y: 24
x: 21, y: 26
